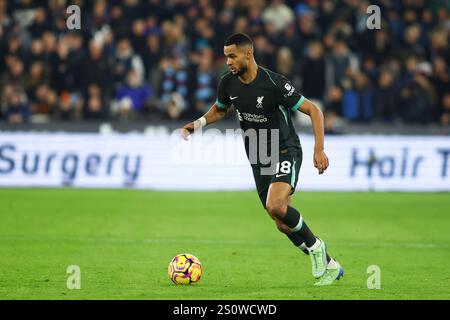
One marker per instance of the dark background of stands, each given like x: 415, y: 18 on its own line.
x: 136, y: 64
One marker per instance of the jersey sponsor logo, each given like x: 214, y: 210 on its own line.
x: 281, y: 175
x: 290, y: 90
x: 234, y: 98
x: 260, y: 102
x: 289, y: 93
x: 251, y: 117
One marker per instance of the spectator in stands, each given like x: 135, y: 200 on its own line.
x: 176, y: 105
x: 326, y: 14
x: 224, y: 23
x: 50, y: 45
x: 36, y: 76
x: 37, y: 51
x: 416, y: 93
x: 445, y: 109
x: 333, y: 110
x: 340, y: 62
x: 308, y: 30
x: 313, y: 71
x: 117, y: 21
x: 132, y: 10
x: 174, y: 77
x: 441, y: 81
x: 256, y: 22
x: 18, y: 110
x: 124, y: 61
x: 439, y: 45
x: 333, y: 100
x: 369, y: 68
x: 264, y: 51
x: 289, y: 39
x: 203, y: 34
x: 132, y: 98
x: 5, y: 97
x: 63, y: 69
x: 99, y: 16
x: 385, y: 104
x: 69, y: 106
x: 95, y: 104
x: 175, y: 42
x: 75, y: 41
x: 342, y: 30
x: 96, y: 69
x: 381, y: 46
x: 412, y: 43
x: 5, y: 20
x: 44, y: 105
x: 205, y: 85
x: 153, y: 53
x: 241, y: 24
x: 15, y: 47
x: 15, y: 73
x: 41, y: 23
x: 357, y: 101
x: 138, y: 38
x: 395, y: 24
x: 285, y: 63
x: 278, y: 14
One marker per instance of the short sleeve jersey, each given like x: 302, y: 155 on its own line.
x: 265, y: 103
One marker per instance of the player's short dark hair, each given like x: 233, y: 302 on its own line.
x: 239, y: 39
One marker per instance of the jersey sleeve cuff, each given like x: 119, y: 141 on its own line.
x: 298, y: 104
x: 221, y: 105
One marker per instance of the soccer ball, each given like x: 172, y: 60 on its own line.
x: 185, y: 268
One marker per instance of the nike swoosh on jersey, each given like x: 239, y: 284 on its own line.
x: 233, y: 98
x: 281, y: 175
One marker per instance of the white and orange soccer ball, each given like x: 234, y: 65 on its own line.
x: 185, y: 268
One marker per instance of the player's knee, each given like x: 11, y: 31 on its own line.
x: 277, y: 209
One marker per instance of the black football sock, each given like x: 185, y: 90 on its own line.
x: 294, y: 220
x: 298, y: 241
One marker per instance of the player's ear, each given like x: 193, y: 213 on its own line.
x: 249, y: 52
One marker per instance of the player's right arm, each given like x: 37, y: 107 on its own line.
x: 214, y: 114
x: 217, y: 111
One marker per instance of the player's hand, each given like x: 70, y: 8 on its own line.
x: 320, y: 161
x: 189, y: 129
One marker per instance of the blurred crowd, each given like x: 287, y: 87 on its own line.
x: 161, y: 59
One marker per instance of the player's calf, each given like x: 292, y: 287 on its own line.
x: 282, y: 227
x: 316, y: 248
x: 295, y: 238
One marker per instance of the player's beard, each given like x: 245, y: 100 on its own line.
x: 241, y: 71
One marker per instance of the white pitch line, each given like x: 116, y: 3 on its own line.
x: 219, y: 242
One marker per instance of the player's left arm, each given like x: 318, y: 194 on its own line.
x: 320, y: 158
x: 292, y: 99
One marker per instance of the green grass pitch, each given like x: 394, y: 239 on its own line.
x: 123, y: 240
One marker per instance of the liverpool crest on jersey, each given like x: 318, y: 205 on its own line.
x: 260, y: 102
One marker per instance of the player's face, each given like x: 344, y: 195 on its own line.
x: 238, y: 59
